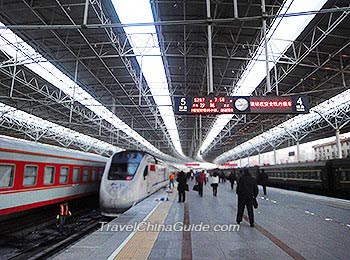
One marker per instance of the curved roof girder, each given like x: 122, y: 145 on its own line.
x: 36, y: 129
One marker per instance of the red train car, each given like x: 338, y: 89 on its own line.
x: 34, y: 175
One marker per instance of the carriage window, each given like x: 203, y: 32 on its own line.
x: 313, y: 175
x: 6, y: 175
x: 30, y: 175
x: 94, y: 174
x: 49, y: 175
x: 343, y: 176
x: 86, y: 174
x: 318, y: 176
x: 64, y: 175
x: 76, y: 175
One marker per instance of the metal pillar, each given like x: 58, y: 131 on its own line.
x: 276, y: 80
x: 268, y: 84
x: 140, y: 81
x: 298, y: 151
x: 200, y: 130
x: 235, y: 9
x: 86, y: 12
x: 74, y: 87
x: 274, y: 155
x: 14, y: 75
x: 210, y: 52
x: 240, y: 161
x: 337, y: 136
x: 259, y: 162
x: 248, y: 160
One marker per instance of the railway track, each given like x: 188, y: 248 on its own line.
x: 36, y: 236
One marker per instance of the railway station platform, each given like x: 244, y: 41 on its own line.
x: 288, y: 225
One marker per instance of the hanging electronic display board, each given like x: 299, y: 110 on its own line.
x: 241, y: 105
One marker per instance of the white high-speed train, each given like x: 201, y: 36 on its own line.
x: 129, y: 177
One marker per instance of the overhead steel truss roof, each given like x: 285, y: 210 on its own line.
x: 98, y: 56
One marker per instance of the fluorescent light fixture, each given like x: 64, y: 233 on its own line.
x: 325, y: 108
x: 144, y: 41
x: 16, y: 48
x: 53, y: 129
x: 281, y: 34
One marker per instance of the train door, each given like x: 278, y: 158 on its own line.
x: 151, y: 169
x: 146, y: 178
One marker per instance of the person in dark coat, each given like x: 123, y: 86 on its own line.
x: 247, y: 190
x: 200, y: 180
x: 181, y: 187
x: 232, y: 178
x: 263, y: 180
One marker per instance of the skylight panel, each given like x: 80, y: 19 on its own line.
x: 145, y: 43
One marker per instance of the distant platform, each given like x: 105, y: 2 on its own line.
x: 288, y: 225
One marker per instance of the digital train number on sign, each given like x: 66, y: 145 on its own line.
x: 241, y: 105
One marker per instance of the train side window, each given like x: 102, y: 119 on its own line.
x: 49, y: 175
x: 94, y: 174
x: 76, y: 174
x: 313, y: 175
x: 64, y: 175
x: 30, y: 175
x: 318, y: 176
x: 86, y: 174
x: 343, y: 176
x: 6, y: 175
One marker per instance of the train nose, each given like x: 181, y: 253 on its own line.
x: 116, y: 200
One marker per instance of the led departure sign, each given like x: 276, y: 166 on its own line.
x: 241, y: 104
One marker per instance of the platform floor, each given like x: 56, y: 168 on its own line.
x: 289, y: 225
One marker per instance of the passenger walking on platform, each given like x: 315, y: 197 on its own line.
x: 262, y: 180
x: 200, y: 181
x: 247, y: 190
x: 192, y: 175
x: 64, y: 212
x: 171, y: 180
x: 232, y: 178
x: 215, y: 183
x: 222, y: 176
x: 181, y: 187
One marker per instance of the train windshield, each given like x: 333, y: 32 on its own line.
x: 124, y: 165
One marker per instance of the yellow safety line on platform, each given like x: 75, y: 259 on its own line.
x: 140, y: 245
